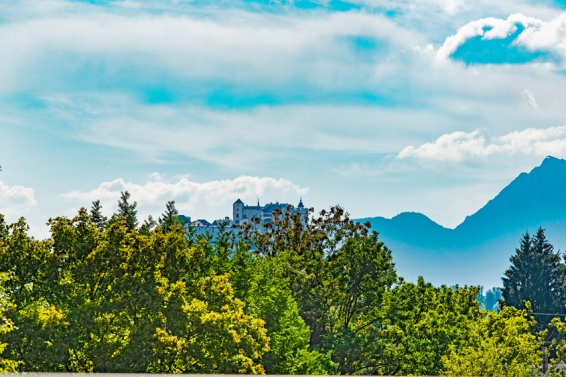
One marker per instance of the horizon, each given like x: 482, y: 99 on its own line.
x: 381, y: 107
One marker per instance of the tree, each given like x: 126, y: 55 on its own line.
x: 6, y: 324
x: 420, y: 324
x: 128, y: 210
x: 269, y: 297
x: 499, y: 344
x: 96, y: 215
x: 169, y: 218
x: 536, y: 275
x: 338, y: 272
x: 114, y: 300
x: 148, y: 226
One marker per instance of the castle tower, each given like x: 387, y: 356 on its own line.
x: 237, y: 211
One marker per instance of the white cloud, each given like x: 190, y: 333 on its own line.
x: 450, y: 6
x: 90, y: 68
x: 188, y: 195
x: 489, y: 28
x: 258, y: 50
x: 457, y: 146
x: 548, y: 36
x: 15, y: 200
x: 454, y: 146
x: 235, y: 139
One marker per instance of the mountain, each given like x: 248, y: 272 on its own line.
x: 477, y: 251
x: 530, y: 200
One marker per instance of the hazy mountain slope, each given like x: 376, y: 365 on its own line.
x: 412, y: 228
x: 478, y: 250
x: 531, y: 199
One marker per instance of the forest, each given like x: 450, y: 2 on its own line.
x: 294, y: 296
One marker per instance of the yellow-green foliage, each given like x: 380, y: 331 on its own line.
x: 115, y: 300
x: 320, y: 297
x: 6, y: 325
x: 500, y: 344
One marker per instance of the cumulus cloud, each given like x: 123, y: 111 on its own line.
x: 548, y: 36
x: 454, y: 146
x: 188, y: 195
x: 490, y: 28
x: 457, y: 146
x: 15, y: 200
x: 536, y: 35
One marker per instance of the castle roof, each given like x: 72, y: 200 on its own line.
x: 201, y: 222
x: 238, y: 201
x: 272, y: 206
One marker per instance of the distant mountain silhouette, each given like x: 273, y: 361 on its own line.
x: 477, y: 251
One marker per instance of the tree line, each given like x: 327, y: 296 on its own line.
x: 315, y: 296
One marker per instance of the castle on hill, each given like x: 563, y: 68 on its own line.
x: 242, y: 214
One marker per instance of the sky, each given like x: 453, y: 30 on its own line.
x: 380, y: 106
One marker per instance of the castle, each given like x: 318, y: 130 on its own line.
x: 242, y: 214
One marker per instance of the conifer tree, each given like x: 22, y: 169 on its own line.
x: 128, y: 210
x: 169, y: 217
x: 96, y: 215
x: 148, y: 226
x: 537, y: 275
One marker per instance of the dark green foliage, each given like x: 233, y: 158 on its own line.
x: 96, y: 215
x: 148, y: 226
x: 537, y: 275
x: 338, y: 273
x: 128, y: 210
x: 169, y: 217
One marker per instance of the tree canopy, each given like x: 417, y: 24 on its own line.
x: 298, y: 295
x: 536, y: 275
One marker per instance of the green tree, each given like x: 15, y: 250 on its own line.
x: 536, y: 275
x: 499, y: 344
x: 148, y: 226
x: 128, y: 210
x: 169, y: 217
x: 6, y: 324
x: 421, y: 323
x: 269, y: 297
x: 338, y: 273
x: 115, y: 300
x: 96, y: 215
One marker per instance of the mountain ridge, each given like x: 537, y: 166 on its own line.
x: 479, y: 248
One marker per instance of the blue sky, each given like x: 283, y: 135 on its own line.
x: 379, y: 106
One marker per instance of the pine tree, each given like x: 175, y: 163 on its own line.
x: 169, y: 217
x: 537, y: 275
x: 128, y: 210
x: 96, y: 215
x: 148, y: 226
